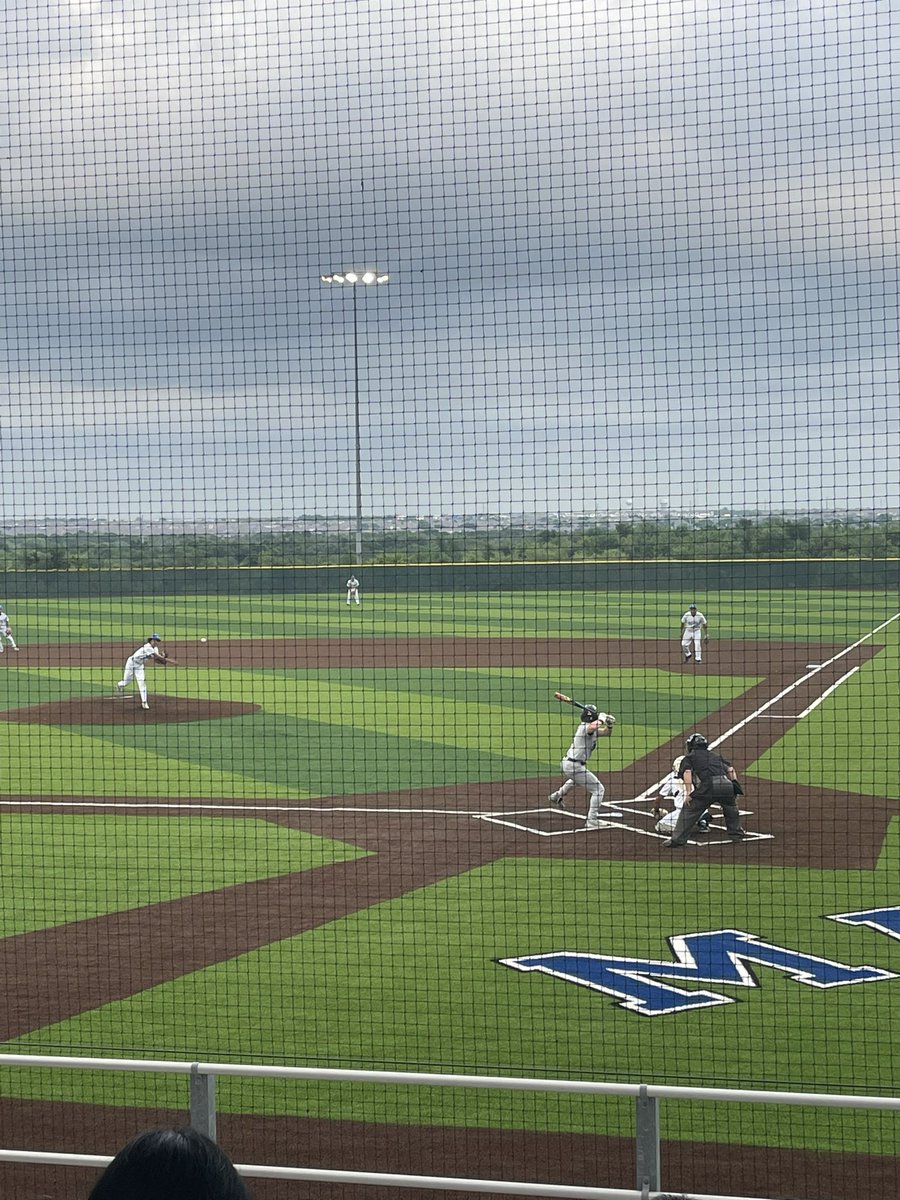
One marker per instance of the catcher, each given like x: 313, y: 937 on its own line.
x: 594, y: 725
x: 151, y: 651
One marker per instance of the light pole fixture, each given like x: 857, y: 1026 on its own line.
x: 354, y: 280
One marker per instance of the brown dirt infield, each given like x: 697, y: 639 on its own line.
x: 54, y: 973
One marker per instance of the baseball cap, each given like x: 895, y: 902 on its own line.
x: 154, y: 637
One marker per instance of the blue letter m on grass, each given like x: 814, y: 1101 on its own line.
x: 720, y: 958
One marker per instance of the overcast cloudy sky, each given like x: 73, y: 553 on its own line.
x: 640, y: 252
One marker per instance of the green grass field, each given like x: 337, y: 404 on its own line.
x: 414, y: 983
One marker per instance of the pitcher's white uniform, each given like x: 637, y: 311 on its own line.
x: 692, y: 625
x: 134, y: 667
x: 574, y: 767
x: 353, y: 589
x: 6, y: 631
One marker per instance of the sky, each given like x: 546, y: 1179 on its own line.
x: 640, y: 254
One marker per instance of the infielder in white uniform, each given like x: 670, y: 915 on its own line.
x: 694, y: 632
x: 353, y: 589
x: 6, y: 632
x: 594, y: 725
x: 135, y: 663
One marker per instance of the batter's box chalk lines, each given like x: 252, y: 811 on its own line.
x: 726, y: 841
x: 501, y: 819
x: 508, y: 818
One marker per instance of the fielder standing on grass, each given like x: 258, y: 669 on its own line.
x: 151, y: 651
x: 6, y: 632
x: 594, y: 725
x: 714, y: 781
x: 353, y: 589
x: 694, y: 632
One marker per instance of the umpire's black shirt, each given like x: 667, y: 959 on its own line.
x: 704, y: 765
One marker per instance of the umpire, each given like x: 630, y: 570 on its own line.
x: 714, y: 781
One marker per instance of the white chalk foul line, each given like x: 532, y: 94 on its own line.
x: 812, y: 669
x: 828, y: 691
x: 803, y: 678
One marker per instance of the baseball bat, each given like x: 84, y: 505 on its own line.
x: 561, y: 696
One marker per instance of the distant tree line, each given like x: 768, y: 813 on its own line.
x: 774, y: 537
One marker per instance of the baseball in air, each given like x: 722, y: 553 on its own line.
x: 203, y: 639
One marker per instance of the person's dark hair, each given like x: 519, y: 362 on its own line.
x: 170, y: 1164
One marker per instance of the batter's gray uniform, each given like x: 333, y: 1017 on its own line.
x: 574, y: 767
x: 693, y: 624
x: 6, y: 631
x: 134, y: 668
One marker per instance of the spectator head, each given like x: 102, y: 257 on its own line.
x: 170, y: 1164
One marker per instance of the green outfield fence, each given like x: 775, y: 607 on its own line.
x: 650, y: 576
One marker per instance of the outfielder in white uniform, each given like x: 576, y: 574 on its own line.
x: 135, y: 663
x: 353, y: 589
x: 594, y: 725
x: 694, y: 633
x: 6, y: 632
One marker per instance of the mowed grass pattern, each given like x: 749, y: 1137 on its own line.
x: 328, y: 732
x: 415, y: 983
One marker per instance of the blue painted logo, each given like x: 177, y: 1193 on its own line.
x: 723, y: 957
x: 884, y: 920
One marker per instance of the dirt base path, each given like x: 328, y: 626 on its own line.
x: 52, y: 974
x: 412, y: 849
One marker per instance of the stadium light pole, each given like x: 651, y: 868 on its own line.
x: 354, y: 280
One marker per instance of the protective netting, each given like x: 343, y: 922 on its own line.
x: 373, y: 372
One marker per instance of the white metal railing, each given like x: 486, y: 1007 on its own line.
x: 202, y: 1076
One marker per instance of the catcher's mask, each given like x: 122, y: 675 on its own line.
x: 590, y: 712
x: 695, y: 740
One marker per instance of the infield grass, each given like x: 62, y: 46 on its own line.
x: 413, y: 983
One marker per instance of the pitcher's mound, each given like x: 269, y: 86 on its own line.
x: 126, y: 710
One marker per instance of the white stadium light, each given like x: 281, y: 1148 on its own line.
x: 367, y: 276
x: 354, y: 277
